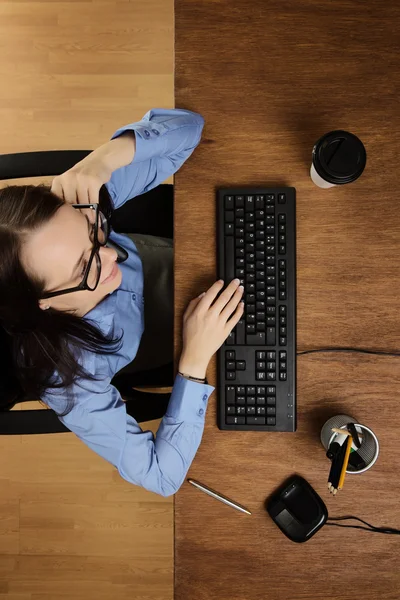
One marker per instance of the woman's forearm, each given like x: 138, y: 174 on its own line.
x: 116, y: 153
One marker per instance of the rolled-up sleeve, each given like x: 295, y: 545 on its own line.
x: 158, y: 463
x: 165, y: 138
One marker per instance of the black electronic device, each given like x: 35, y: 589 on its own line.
x: 297, y: 509
x: 257, y: 363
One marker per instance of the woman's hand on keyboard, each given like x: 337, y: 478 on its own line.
x: 207, y: 322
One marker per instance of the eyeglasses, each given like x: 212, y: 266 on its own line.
x: 99, y: 236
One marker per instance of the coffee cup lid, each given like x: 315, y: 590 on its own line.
x: 339, y: 157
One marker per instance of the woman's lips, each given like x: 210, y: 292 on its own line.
x: 112, y: 275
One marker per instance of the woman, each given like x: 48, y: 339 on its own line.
x: 72, y: 317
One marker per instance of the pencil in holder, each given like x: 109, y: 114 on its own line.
x: 369, y: 449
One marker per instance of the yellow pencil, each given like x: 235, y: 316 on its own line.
x: 345, y: 462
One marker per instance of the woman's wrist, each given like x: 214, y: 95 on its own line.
x: 118, y: 152
x: 193, y: 370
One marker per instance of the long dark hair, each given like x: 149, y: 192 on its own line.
x: 37, y: 345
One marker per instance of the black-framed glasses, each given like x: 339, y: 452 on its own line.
x: 99, y: 236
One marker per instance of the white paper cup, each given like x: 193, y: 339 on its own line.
x: 338, y: 158
x: 318, y: 180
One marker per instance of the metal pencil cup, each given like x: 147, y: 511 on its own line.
x: 369, y: 450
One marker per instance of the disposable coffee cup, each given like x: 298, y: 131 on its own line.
x: 338, y: 157
x: 369, y: 449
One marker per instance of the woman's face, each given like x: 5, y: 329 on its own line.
x: 58, y: 253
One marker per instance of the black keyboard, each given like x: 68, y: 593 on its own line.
x: 257, y: 363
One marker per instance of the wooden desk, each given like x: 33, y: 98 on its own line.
x: 270, y: 77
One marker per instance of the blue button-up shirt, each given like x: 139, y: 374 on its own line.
x: 164, y: 140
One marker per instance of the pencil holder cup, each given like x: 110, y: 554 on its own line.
x: 369, y: 449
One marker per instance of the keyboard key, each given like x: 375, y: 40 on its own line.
x: 257, y: 339
x: 260, y: 366
x: 282, y: 330
x: 239, y: 201
x: 282, y: 249
x: 230, y: 375
x: 260, y: 355
x: 271, y: 390
x: 240, y: 333
x: 260, y: 376
x: 282, y: 310
x: 271, y: 376
x: 282, y: 341
x: 282, y: 376
x: 251, y: 400
x: 230, y: 340
x: 235, y: 420
x: 281, y: 198
x: 249, y: 203
x: 271, y: 421
x: 241, y: 365
x: 230, y: 394
x: 282, y: 218
x: 254, y: 420
x: 271, y: 355
x: 251, y: 390
x: 231, y: 410
x: 241, y: 410
x: 271, y: 336
x: 271, y: 400
x: 229, y: 202
x: 260, y: 390
x: 282, y: 355
x: 271, y: 410
x: 261, y: 410
x: 251, y: 410
x: 241, y: 400
x: 282, y: 295
x: 230, y: 355
x: 230, y: 366
x: 260, y: 400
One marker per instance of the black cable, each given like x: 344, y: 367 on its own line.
x: 362, y: 350
x: 372, y: 528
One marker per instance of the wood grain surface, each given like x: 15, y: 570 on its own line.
x: 270, y: 77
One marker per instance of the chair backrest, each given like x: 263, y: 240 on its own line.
x: 142, y: 214
x: 39, y: 164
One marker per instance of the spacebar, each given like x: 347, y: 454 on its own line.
x: 257, y: 339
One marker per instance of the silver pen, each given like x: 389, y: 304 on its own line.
x: 223, y: 499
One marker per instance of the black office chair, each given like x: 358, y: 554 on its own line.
x: 150, y: 213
